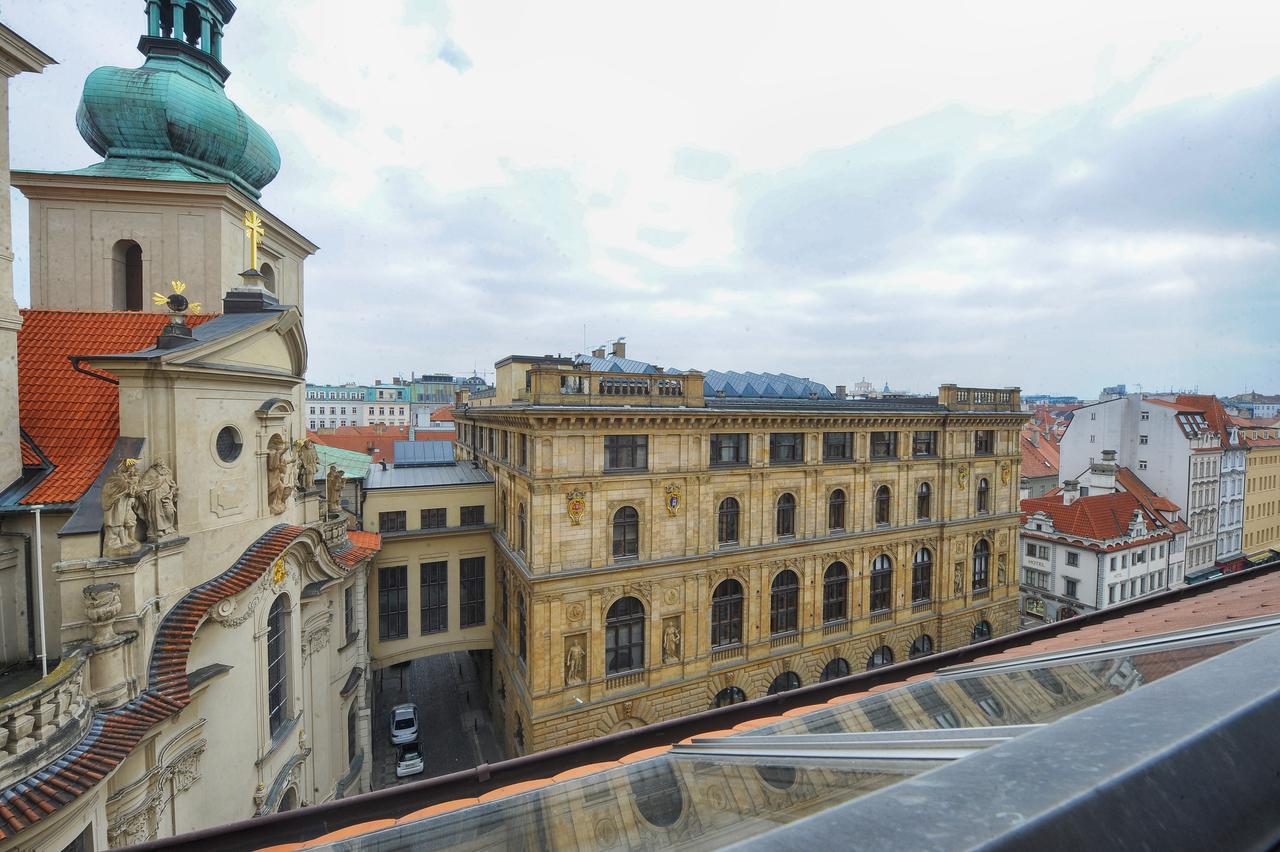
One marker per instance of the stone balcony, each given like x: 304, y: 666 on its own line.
x: 38, y: 723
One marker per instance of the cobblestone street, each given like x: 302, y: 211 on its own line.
x: 454, y: 726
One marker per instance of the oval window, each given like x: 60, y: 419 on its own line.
x: 228, y: 444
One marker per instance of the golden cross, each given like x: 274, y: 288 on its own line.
x: 254, y: 231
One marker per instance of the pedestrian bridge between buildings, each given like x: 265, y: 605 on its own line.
x: 390, y: 652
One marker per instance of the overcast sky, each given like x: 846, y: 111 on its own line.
x: 1056, y: 196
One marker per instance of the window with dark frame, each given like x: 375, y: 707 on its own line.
x: 837, y: 446
x: 434, y: 519
x: 922, y: 576
x: 835, y: 510
x: 626, y: 452
x: 924, y: 444
x: 839, y: 667
x: 277, y: 665
x: 727, y: 521
x: 471, y: 591
x: 472, y: 516
x: 784, y: 603
x: 883, y: 502
x: 1070, y: 586
x: 726, y: 614
x: 981, y: 564
x: 923, y: 494
x: 393, y: 602
x: 835, y: 593
x: 884, y: 445
x: 729, y: 449
x: 785, y: 525
x: 981, y: 632
x: 434, y: 596
x: 626, y: 533
x: 524, y: 629
x: 392, y: 521
x: 786, y: 447
x: 523, y: 531
x: 984, y: 442
x: 921, y: 647
x: 624, y: 637
x: 882, y: 656
x: 503, y: 444
x: 984, y: 495
x: 349, y: 612
x: 881, y: 583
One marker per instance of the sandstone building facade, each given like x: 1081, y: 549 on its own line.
x: 666, y: 543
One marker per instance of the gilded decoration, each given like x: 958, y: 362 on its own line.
x: 253, y: 232
x: 962, y: 476
x: 1005, y: 473
x: 279, y: 571
x: 576, y: 505
x: 674, y: 498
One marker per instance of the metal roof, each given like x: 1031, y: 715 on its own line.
x: 613, y: 364
x: 763, y: 386
x: 352, y: 464
x: 419, y: 477
x: 423, y: 453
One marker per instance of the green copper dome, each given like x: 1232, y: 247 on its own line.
x: 171, y: 119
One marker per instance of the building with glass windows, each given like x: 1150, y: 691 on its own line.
x: 668, y: 541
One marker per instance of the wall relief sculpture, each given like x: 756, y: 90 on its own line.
x: 671, y: 640
x: 279, y: 465
x: 575, y: 659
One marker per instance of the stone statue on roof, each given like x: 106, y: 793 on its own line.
x: 308, y: 464
x: 279, y: 488
x: 333, y: 481
x: 158, y: 496
x: 120, y: 509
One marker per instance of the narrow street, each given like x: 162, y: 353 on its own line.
x: 455, y: 730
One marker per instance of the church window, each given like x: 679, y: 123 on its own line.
x: 126, y: 276
x: 278, y: 664
x: 228, y: 444
x: 268, y: 277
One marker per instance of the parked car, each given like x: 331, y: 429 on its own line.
x: 404, y: 724
x: 408, y: 760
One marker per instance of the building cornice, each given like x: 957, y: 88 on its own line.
x: 17, y: 55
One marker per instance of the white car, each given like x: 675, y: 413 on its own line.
x: 409, y: 761
x: 404, y: 724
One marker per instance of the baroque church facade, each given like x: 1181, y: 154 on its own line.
x: 197, y: 603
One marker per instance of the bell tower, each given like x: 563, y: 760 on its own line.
x: 181, y: 162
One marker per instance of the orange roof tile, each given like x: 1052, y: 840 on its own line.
x: 72, y: 417
x: 1150, y: 500
x: 1098, y: 516
x: 30, y: 457
x: 1039, y: 458
x: 443, y: 414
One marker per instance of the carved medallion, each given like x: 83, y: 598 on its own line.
x: 673, y: 499
x: 577, y: 505
x: 606, y: 833
x: 671, y: 595
x: 575, y: 612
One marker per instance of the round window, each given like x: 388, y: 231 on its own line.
x: 228, y: 444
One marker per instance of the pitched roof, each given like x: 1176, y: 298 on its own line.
x: 1176, y: 406
x: 443, y: 414
x: 1215, y: 414
x: 1100, y: 517
x: 1041, y: 458
x: 352, y: 464
x: 73, y: 417
x: 1151, y: 501
x: 377, y: 441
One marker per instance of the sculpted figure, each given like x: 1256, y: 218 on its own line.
x: 575, y: 662
x: 120, y: 509
x: 670, y: 642
x: 308, y: 464
x: 279, y: 459
x: 959, y: 577
x: 333, y: 489
x: 159, y: 497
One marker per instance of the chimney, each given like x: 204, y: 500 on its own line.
x: 620, y: 348
x: 383, y: 462
x: 1070, y: 491
x: 1035, y: 437
x: 598, y: 352
x: 1102, y: 475
x: 842, y: 392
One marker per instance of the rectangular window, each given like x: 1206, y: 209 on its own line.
x: 1069, y: 586
x: 837, y: 446
x: 471, y: 591
x: 786, y: 447
x: 1139, y: 557
x: 984, y: 442
x: 1036, y: 579
x: 1145, y: 415
x: 523, y: 459
x: 924, y: 444
x: 503, y: 445
x: 729, y: 449
x: 884, y: 445
x: 349, y: 612
x: 472, y: 516
x: 626, y: 452
x: 435, y: 597
x: 434, y: 519
x: 393, y: 602
x: 1142, y: 464
x: 1111, y: 593
x: 1073, y: 559
x: 391, y: 521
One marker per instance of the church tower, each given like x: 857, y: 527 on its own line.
x: 181, y: 166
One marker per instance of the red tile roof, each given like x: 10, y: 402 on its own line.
x: 1150, y: 500
x: 1177, y: 406
x: 443, y: 414
x: 72, y: 417
x: 113, y: 734
x: 29, y: 455
x: 1099, y: 517
x: 1214, y: 414
x: 377, y: 441
x: 1040, y: 458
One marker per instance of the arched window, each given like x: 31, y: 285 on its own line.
x: 981, y: 632
x: 729, y: 695
x: 624, y: 636
x: 505, y: 514
x: 882, y: 656
x: 626, y: 533
x: 921, y: 647
x: 883, y: 499
x: 727, y: 521
x: 126, y: 276
x: 268, y: 277
x: 726, y: 614
x: 784, y: 682
x: 522, y: 529
x: 922, y: 576
x: 984, y: 493
x: 835, y: 593
x: 777, y: 777
x: 289, y: 801
x: 786, y: 522
x: 657, y: 794
x: 784, y: 603
x: 981, y: 565
x: 923, y: 493
x: 278, y: 664
x: 839, y: 667
x: 523, y: 607
x: 835, y: 510
x: 881, y: 583
x: 1049, y: 680
x: 977, y: 690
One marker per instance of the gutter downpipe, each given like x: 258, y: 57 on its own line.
x: 44, y: 657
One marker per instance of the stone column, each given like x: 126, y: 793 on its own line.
x: 10, y: 319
